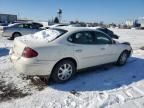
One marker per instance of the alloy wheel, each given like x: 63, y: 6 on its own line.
x: 65, y: 71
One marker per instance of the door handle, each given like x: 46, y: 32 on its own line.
x: 102, y: 48
x: 78, y: 50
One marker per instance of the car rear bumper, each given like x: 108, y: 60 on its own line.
x: 40, y: 68
x: 3, y: 34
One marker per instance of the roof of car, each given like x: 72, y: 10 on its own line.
x: 70, y: 29
x: 40, y: 25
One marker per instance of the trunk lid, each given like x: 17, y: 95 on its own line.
x: 34, y: 41
x: 26, y: 41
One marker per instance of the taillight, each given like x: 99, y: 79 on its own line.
x: 29, y: 53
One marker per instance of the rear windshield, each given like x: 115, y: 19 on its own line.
x: 49, y: 34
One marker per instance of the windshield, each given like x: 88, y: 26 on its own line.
x: 49, y: 34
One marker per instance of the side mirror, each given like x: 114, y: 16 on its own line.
x: 114, y: 42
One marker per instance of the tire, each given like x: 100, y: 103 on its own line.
x: 15, y: 35
x: 63, y: 71
x: 122, y: 58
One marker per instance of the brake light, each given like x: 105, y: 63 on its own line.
x: 29, y: 53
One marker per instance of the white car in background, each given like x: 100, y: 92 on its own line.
x: 19, y: 29
x: 60, y: 52
x: 56, y: 25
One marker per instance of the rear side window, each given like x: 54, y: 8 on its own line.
x: 85, y: 37
x: 27, y: 26
x: 19, y: 25
x: 23, y: 26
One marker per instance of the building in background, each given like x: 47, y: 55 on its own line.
x: 7, y: 18
x: 129, y: 23
x: 133, y: 23
x: 141, y: 21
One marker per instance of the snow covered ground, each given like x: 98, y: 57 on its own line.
x: 103, y: 87
x: 135, y: 37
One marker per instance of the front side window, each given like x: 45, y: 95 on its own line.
x: 82, y: 38
x: 101, y: 38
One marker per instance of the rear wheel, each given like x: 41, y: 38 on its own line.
x: 14, y: 36
x: 63, y: 71
x: 123, y: 58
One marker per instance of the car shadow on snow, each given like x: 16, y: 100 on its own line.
x: 105, y: 77
x: 4, y: 52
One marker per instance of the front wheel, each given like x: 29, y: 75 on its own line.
x: 63, y: 71
x: 123, y: 58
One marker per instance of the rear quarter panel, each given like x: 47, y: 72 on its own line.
x: 54, y: 53
x: 8, y: 32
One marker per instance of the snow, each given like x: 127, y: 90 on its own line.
x: 48, y: 34
x: 135, y: 37
x: 44, y: 35
x: 102, y: 87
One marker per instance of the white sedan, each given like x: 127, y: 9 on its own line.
x: 60, y: 52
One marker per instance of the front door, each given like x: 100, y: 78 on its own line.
x: 87, y: 52
x: 92, y: 48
